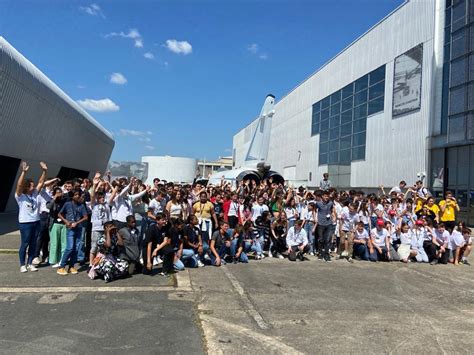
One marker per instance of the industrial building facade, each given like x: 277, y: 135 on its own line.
x: 397, y: 103
x: 39, y: 122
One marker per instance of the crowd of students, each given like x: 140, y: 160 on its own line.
x: 119, y: 227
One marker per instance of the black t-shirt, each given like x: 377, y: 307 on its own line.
x: 176, y: 237
x: 191, y: 235
x: 155, y: 235
x: 218, y: 208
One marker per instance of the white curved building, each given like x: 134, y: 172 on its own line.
x: 38, y: 121
x: 175, y: 169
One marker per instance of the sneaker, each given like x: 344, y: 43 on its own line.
x: 270, y: 254
x: 157, y: 260
x: 258, y: 257
x: 279, y: 256
x: 300, y: 256
x: 311, y: 253
x: 207, y: 257
x: 328, y: 259
x: 36, y: 261
x: 349, y: 259
x: 465, y: 262
x: 262, y: 256
x: 73, y: 271
x: 200, y: 263
x: 32, y: 268
x: 164, y: 274
x: 23, y: 268
x: 61, y: 271
x: 55, y: 266
x: 434, y: 262
x: 344, y: 253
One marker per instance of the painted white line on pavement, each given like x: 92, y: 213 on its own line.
x: 93, y: 289
x: 246, y: 300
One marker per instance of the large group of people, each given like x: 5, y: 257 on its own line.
x: 117, y: 227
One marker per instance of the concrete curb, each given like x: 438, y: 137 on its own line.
x: 8, y: 251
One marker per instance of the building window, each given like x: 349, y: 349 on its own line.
x: 340, y: 119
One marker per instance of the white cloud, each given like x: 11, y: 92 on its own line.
x: 132, y: 34
x: 149, y: 55
x: 253, y: 48
x: 131, y: 132
x: 103, y: 105
x: 80, y: 86
x: 93, y: 10
x: 179, y: 47
x: 145, y: 139
x: 118, y: 78
x: 150, y: 147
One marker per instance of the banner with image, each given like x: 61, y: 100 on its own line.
x: 407, y: 81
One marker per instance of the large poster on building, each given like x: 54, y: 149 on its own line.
x: 128, y: 169
x: 407, y: 81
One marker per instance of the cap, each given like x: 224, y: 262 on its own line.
x: 380, y: 222
x: 392, y: 212
x: 419, y: 222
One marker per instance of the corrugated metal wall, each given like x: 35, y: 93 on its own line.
x: 38, y: 121
x: 396, y: 148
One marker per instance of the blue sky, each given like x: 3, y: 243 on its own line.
x: 181, y: 77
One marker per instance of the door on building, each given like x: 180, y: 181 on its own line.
x: 7, y: 178
x: 460, y: 180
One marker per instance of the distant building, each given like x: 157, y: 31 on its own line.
x: 174, y: 169
x: 206, y: 168
x: 39, y: 122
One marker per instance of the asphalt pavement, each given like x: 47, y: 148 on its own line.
x: 269, y: 306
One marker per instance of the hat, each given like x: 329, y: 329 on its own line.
x: 419, y: 222
x: 392, y: 212
x: 380, y: 222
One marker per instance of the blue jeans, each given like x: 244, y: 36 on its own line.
x: 221, y: 252
x: 70, y: 254
x: 361, y: 251
x: 187, y: 259
x: 243, y: 258
x: 256, y: 247
x: 308, y: 227
x: 376, y: 256
x: 81, y: 244
x: 29, y: 233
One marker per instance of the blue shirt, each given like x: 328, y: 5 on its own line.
x: 73, y: 212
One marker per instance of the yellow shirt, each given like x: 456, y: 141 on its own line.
x: 203, y: 210
x: 434, y: 209
x: 449, y: 214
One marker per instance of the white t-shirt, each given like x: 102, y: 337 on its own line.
x: 157, y: 206
x: 100, y: 215
x: 233, y: 209
x: 28, y: 207
x: 290, y: 212
x: 407, y: 238
x: 442, y: 238
x: 348, y: 220
x: 257, y: 210
x: 364, y: 218
x: 456, y: 240
x: 379, y: 236
x: 307, y: 215
x: 420, y: 236
x: 362, y: 235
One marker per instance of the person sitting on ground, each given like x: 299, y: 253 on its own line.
x: 238, y: 246
x: 466, y: 249
x: 456, y: 242
x: 131, y: 250
x: 379, y: 243
x: 158, y: 243
x: 360, y: 241
x: 407, y: 248
x: 439, y: 246
x: 279, y: 230
x: 192, y: 239
x: 421, y: 235
x: 184, y: 257
x: 297, y: 242
x: 220, y: 244
x: 107, y: 264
